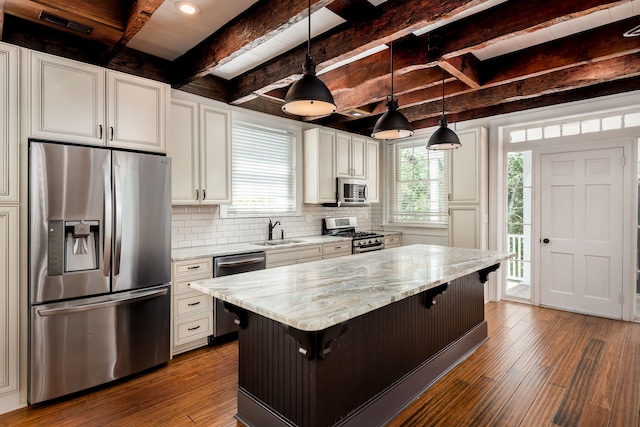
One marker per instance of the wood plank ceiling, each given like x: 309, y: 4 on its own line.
x: 596, y: 61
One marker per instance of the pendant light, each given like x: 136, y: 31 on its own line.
x: 444, y: 138
x: 392, y: 124
x: 309, y: 96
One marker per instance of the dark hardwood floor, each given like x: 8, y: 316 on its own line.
x: 541, y: 367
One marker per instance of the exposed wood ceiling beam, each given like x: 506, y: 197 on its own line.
x: 139, y: 13
x: 397, y: 19
x: 243, y: 34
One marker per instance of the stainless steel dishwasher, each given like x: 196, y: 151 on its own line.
x: 223, y: 321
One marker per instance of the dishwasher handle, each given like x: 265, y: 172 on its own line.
x: 254, y: 260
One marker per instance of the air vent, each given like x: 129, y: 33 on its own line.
x: 56, y: 20
x: 634, y: 32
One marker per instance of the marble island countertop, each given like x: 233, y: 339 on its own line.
x: 317, y: 295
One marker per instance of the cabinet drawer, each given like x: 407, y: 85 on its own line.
x: 277, y: 258
x: 182, y: 286
x: 193, y: 328
x: 202, y: 267
x: 392, y: 241
x: 336, y: 249
x: 193, y: 303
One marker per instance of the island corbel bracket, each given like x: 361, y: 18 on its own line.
x: 484, y: 273
x: 316, y: 344
x: 431, y: 294
x: 241, y: 314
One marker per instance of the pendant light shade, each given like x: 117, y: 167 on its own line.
x: 392, y: 124
x: 309, y: 96
x: 444, y: 138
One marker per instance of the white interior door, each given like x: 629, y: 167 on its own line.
x: 582, y: 231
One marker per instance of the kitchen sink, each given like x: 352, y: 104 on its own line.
x: 277, y: 242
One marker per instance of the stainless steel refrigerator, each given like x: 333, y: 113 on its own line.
x: 99, y: 266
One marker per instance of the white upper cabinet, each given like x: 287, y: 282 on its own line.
x: 9, y: 174
x: 319, y: 151
x: 182, y: 147
x: 215, y: 155
x: 351, y: 156
x: 199, y: 144
x: 67, y: 100
x: 137, y: 111
x: 373, y: 164
x: 75, y: 102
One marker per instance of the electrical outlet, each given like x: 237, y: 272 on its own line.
x: 309, y: 218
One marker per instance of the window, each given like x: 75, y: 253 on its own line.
x: 263, y: 170
x: 417, y: 183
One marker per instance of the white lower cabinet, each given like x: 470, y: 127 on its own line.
x: 336, y: 249
x: 192, y: 311
x: 392, y: 241
x: 9, y: 307
x: 288, y: 256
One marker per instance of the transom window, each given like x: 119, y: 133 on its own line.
x: 575, y: 127
x: 417, y: 183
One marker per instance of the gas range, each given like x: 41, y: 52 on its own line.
x: 362, y: 241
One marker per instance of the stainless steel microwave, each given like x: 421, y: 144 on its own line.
x: 352, y: 192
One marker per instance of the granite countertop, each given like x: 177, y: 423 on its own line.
x: 317, y: 295
x: 243, y: 248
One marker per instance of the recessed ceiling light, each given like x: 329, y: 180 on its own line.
x: 187, y: 8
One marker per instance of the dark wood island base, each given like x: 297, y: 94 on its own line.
x: 361, y: 372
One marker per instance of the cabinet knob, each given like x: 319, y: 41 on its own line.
x: 545, y: 240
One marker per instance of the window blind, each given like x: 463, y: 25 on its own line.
x: 263, y: 170
x: 417, y: 183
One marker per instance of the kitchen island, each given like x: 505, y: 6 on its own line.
x: 351, y: 341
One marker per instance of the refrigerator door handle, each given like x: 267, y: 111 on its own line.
x: 108, y: 219
x: 141, y: 296
x: 117, y: 200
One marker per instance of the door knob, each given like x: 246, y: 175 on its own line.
x: 545, y: 240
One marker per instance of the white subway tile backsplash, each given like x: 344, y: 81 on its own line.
x: 201, y: 225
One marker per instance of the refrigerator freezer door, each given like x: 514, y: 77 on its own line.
x: 69, y: 204
x: 79, y: 344
x: 142, y: 225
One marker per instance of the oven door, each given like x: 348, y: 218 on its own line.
x: 358, y: 249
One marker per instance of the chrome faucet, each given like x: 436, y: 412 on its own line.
x: 271, y: 227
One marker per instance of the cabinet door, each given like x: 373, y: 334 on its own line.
x: 464, y: 227
x: 137, y: 112
x: 9, y: 303
x: 215, y: 155
x: 372, y: 171
x: 465, y: 169
x: 319, y: 156
x: 343, y: 155
x: 66, y: 100
x: 9, y: 173
x: 358, y: 157
x: 182, y: 147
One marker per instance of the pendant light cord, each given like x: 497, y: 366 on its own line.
x: 309, y: 38
x: 391, y: 48
x: 442, y: 91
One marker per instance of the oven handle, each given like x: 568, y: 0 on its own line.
x: 368, y: 248
x: 111, y: 303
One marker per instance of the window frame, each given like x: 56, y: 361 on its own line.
x: 269, y: 122
x: 390, y: 168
